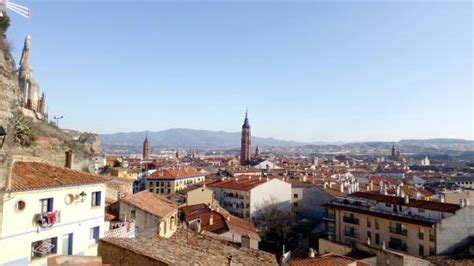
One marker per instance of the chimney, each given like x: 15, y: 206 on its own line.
x: 69, y: 159
x: 311, y: 253
x: 467, y: 201
x: 367, y: 187
x: 407, y: 199
x: 341, y: 187
x: 418, y: 195
x: 371, y: 185
x: 462, y: 203
x: 211, y: 220
x: 228, y: 218
x: 398, y: 190
x: 442, y: 198
x: 325, y: 184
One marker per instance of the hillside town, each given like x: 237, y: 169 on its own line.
x: 66, y: 201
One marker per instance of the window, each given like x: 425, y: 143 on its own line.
x: 96, y: 198
x: 421, y: 234
x: 295, y: 196
x: 368, y: 222
x: 369, y: 235
x: 295, y: 204
x: 388, y: 205
x: 161, y: 191
x: 133, y: 214
x: 151, y: 190
x: 421, y: 250
x: 168, y: 191
x: 44, y: 248
x: 376, y: 224
x: 94, y: 234
x: 46, y: 205
x: 377, y: 239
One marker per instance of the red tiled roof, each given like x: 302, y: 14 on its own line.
x: 151, y: 203
x: 222, y: 220
x: 423, y: 204
x: 244, y: 182
x: 174, y: 173
x: 323, y: 260
x: 37, y: 175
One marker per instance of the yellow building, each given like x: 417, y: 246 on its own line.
x: 168, y: 181
x: 124, y: 173
x: 414, y: 227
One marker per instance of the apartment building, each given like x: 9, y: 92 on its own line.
x: 46, y: 211
x: 414, y: 227
x: 168, y: 181
x: 244, y: 195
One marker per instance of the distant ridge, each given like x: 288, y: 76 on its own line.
x: 183, y: 137
x: 207, y: 139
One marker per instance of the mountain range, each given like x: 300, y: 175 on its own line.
x: 208, y: 140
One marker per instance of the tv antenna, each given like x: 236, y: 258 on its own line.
x: 6, y: 5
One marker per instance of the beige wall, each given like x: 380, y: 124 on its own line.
x: 411, y: 239
x: 115, y: 255
x: 173, y: 185
x: 199, y: 195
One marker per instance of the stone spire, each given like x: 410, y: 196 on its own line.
x: 257, y: 152
x: 28, y: 86
x: 146, y: 148
x: 245, y: 141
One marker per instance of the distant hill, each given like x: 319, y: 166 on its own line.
x: 209, y: 140
x: 182, y: 137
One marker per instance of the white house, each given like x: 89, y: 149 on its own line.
x: 47, y: 210
x: 244, y: 195
x: 267, y: 165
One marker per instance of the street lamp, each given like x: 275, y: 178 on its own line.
x: 57, y: 118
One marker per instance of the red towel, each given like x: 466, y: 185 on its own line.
x: 51, y: 217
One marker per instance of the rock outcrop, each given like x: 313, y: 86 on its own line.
x: 49, y: 143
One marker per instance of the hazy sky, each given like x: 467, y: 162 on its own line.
x: 307, y: 70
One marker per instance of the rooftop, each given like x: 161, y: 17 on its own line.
x: 38, y: 175
x: 422, y: 204
x: 186, y: 247
x: 329, y: 259
x: 175, y: 173
x: 244, y: 182
x: 151, y: 203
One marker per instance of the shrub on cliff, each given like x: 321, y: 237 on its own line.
x: 23, y: 133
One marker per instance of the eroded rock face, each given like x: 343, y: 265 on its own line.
x: 50, y: 142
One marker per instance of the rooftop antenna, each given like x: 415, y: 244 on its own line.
x: 6, y: 5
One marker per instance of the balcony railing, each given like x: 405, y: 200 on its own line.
x: 351, y: 234
x: 350, y: 220
x: 121, y: 230
x: 398, y: 231
x: 398, y: 246
x: 330, y: 216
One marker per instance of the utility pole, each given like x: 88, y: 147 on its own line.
x: 57, y: 118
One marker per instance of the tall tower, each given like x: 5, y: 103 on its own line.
x: 146, y: 148
x: 245, y: 141
x: 28, y: 85
x: 393, y: 151
x: 257, y: 153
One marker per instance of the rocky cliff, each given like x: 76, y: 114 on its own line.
x: 28, y: 137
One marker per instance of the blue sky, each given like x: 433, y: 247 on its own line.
x: 307, y: 70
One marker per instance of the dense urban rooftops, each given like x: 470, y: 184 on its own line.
x: 175, y: 173
x: 244, y: 182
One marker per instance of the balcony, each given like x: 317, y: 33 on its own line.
x: 121, y: 230
x: 350, y: 220
x: 399, y: 231
x: 398, y: 246
x: 47, y: 219
x: 352, y: 234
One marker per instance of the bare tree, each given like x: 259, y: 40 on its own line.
x: 273, y: 219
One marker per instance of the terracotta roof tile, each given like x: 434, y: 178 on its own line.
x: 151, y: 203
x: 323, y: 260
x: 37, y: 175
x: 175, y: 173
x: 244, y: 182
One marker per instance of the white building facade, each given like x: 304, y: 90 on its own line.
x: 37, y: 223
